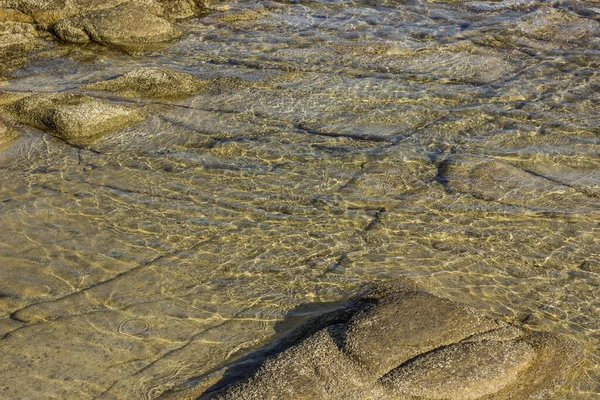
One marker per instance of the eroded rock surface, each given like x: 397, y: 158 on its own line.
x: 77, y: 119
x: 397, y: 342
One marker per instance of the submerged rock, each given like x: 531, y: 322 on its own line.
x: 552, y: 24
x: 398, y: 342
x: 123, y: 25
x: 7, y: 135
x: 493, y: 179
x: 77, y: 119
x: 153, y: 83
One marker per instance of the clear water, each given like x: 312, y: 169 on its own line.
x: 453, y: 143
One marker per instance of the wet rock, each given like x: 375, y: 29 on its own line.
x: 124, y: 25
x: 381, y: 339
x: 392, y: 173
x: 17, y: 41
x: 77, y: 119
x: 153, y: 83
x: 550, y: 24
x: 395, y: 342
x: 182, y: 8
x: 492, y: 179
x: 462, y: 371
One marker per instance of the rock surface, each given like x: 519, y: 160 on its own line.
x: 397, y: 342
x: 17, y: 41
x: 151, y: 82
x: 123, y: 25
x: 48, y: 12
x: 77, y: 119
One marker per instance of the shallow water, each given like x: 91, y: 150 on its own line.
x: 452, y: 143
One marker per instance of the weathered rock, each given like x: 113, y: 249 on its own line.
x: 462, y: 371
x: 124, y: 25
x: 17, y: 41
x: 381, y: 339
x: 396, y: 342
x: 182, y: 8
x: 7, y: 135
x: 552, y: 24
x: 153, y: 83
x: 77, y: 119
x: 48, y: 12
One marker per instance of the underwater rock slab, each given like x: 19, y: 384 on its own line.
x: 77, y: 119
x: 493, y: 179
x: 151, y: 82
x: 123, y: 25
x: 552, y: 24
x: 397, y: 342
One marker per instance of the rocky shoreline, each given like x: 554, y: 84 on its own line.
x: 171, y: 210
